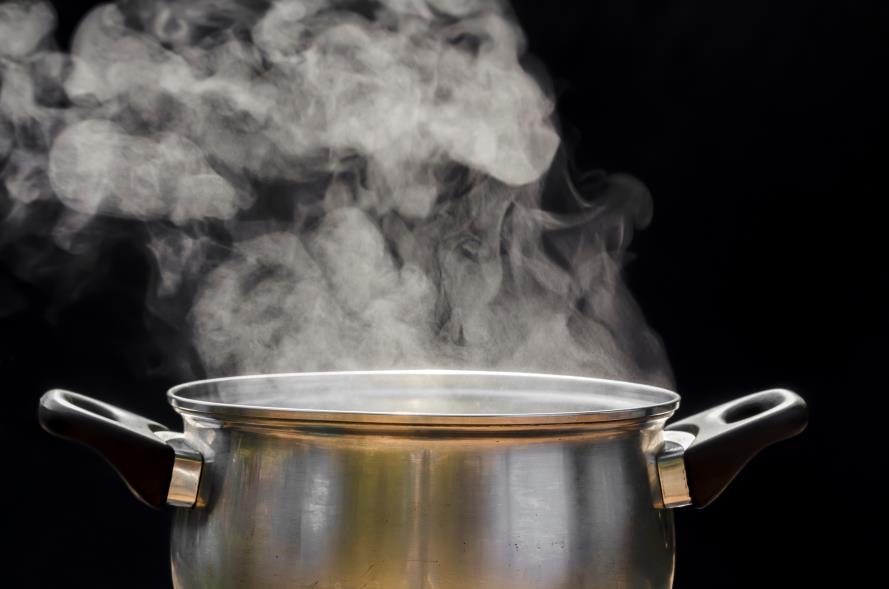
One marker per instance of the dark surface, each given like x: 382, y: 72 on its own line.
x: 761, y: 129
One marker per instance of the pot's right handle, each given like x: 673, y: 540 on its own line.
x: 703, y: 453
x: 155, y: 463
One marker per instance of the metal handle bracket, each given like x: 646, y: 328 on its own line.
x: 671, y: 469
x: 187, y: 466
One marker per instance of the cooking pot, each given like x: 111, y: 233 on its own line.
x: 425, y: 479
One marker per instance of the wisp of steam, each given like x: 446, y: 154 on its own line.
x: 324, y: 184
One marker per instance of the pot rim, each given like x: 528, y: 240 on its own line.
x: 584, y: 399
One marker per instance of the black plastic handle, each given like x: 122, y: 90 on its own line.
x: 728, y: 436
x: 126, y: 440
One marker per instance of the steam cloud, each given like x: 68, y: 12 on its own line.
x: 326, y: 184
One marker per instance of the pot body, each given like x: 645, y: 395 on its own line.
x: 425, y: 479
x: 397, y: 507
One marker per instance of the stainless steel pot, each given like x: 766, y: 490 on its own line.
x: 425, y: 479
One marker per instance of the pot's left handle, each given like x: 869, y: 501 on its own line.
x: 155, y: 463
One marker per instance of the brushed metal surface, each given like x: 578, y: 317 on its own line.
x: 340, y: 506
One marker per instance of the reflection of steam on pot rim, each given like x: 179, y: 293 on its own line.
x: 332, y: 187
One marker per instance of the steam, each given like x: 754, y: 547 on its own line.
x: 326, y: 184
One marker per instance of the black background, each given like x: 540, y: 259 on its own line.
x: 761, y: 129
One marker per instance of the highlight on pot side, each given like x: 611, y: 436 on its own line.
x: 323, y: 185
